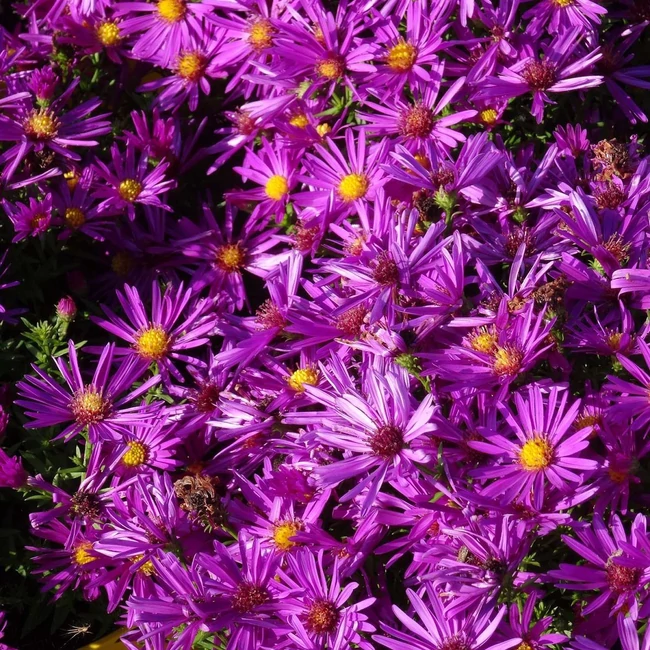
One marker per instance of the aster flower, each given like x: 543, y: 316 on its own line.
x: 619, y: 578
x: 166, y: 335
x: 378, y: 430
x: 405, y: 58
x: 275, y: 169
x: 128, y: 182
x: 99, y: 405
x: 545, y: 450
x: 416, y: 122
x: 319, y: 612
x: 77, y: 211
x: 171, y: 23
x: 36, y: 130
x: 471, y: 630
x: 351, y: 184
x: 29, y: 219
x: 192, y: 71
x: 551, y: 74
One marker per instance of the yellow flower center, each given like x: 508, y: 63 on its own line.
x: 71, y: 179
x: 276, y: 187
x: 562, y: 3
x: 323, y: 129
x: 41, y: 125
x: 300, y: 120
x: 231, y: 257
x: 137, y: 454
x: 122, y: 264
x: 108, y: 33
x: 261, y: 34
x: 283, y: 531
x: 332, y: 68
x: 303, y: 377
x: 81, y: 555
x: 488, y: 116
x: 536, y: 454
x: 507, y: 360
x: 482, y: 340
x: 89, y: 406
x: 152, y: 343
x: 74, y: 218
x: 171, y: 11
x: 524, y: 645
x: 130, y: 189
x: 402, y: 56
x: 191, y: 66
x: 614, y: 341
x: 146, y: 568
x: 353, y: 187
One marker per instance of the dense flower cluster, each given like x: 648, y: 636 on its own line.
x: 355, y: 348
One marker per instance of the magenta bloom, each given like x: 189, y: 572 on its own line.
x: 554, y: 73
x: 544, y: 449
x: 376, y: 430
x: 100, y: 406
x: 129, y: 182
x: 29, y: 220
x: 167, y: 334
x: 53, y: 128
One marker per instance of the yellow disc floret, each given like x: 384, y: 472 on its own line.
x: 152, y: 343
x: 276, y: 187
x: 108, y: 33
x: 74, y: 218
x: 353, y: 187
x: 299, y: 120
x: 130, y: 189
x: 81, y: 554
x: 536, y: 454
x: 303, y: 377
x: 402, y: 57
x: 331, y: 68
x: 171, y: 11
x: 507, y: 360
x: 191, y: 66
x: 137, y: 454
x: 41, y: 125
x: 231, y: 257
x: 488, y: 116
x: 283, y: 531
x: 261, y: 34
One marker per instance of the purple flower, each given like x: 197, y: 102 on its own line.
x: 551, y: 74
x: 100, y: 406
x: 12, y: 473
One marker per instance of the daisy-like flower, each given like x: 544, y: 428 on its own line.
x: 621, y: 578
x: 164, y: 337
x: 29, y: 219
x: 77, y: 210
x: 50, y: 128
x: 164, y: 28
x: 551, y: 74
x: 12, y: 472
x: 350, y: 185
x: 275, y: 169
x: 416, y: 122
x: 129, y: 182
x: 469, y: 630
x: 93, y: 34
x: 546, y: 450
x: 141, y: 450
x: 192, y: 71
x: 319, y: 609
x: 405, y: 58
x: 377, y: 431
x: 100, y: 406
